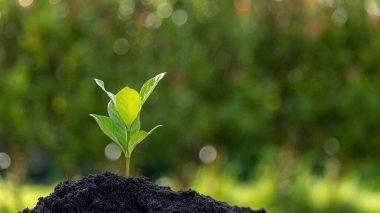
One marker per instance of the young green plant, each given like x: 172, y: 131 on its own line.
x: 123, y: 124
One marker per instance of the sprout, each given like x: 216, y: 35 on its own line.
x: 123, y: 123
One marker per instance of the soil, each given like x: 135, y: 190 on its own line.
x: 109, y: 192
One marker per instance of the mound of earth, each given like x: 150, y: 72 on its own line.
x: 109, y: 192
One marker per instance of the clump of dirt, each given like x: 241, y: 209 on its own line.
x: 108, y: 192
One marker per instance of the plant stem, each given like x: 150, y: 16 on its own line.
x: 127, y: 160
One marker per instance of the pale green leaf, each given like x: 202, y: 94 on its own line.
x: 128, y: 104
x: 109, y: 128
x: 100, y: 83
x: 149, y: 86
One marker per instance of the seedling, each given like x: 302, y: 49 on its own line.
x: 123, y: 124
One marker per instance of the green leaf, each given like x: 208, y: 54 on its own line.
x: 135, y: 126
x: 119, y: 125
x: 149, y: 86
x: 114, y: 115
x: 100, y: 83
x: 109, y: 128
x: 128, y: 104
x: 138, y: 137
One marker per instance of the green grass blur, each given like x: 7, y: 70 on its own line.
x: 273, y: 103
x: 299, y: 191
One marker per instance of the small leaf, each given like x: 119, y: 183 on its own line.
x: 149, y: 86
x: 100, y: 83
x: 138, y: 137
x: 109, y: 128
x: 128, y: 104
x: 119, y: 125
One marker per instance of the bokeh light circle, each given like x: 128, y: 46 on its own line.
x: 207, y: 154
x: 179, y: 17
x: 153, y: 21
x: 121, y: 46
x: 164, y: 10
x: 5, y: 160
x: 112, y: 152
x: 25, y: 3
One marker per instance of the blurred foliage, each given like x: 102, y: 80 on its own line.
x: 271, y: 189
x: 299, y: 76
x: 295, y: 191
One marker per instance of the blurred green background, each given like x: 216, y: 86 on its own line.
x: 272, y: 104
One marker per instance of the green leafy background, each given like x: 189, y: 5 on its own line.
x: 269, y: 84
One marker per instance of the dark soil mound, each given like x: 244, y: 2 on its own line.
x: 113, y: 193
